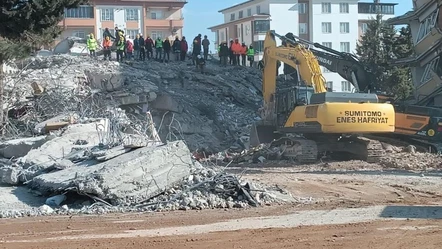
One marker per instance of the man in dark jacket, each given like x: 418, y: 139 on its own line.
x: 108, y: 33
x: 176, y: 47
x: 142, y: 47
x: 224, y: 53
x: 117, y: 34
x: 206, y: 44
x: 166, y: 49
x: 149, y: 47
x: 136, y: 47
x: 184, y: 48
x: 198, y: 38
x: 231, y: 54
x: 196, y: 50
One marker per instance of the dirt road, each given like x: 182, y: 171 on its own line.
x: 355, y: 205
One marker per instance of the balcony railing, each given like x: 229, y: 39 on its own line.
x: 375, y: 8
x: 83, y: 12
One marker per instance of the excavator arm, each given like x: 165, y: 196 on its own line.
x: 298, y: 57
x: 345, y: 64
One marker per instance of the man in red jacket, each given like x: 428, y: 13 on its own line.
x: 184, y: 48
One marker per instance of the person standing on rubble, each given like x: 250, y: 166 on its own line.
x: 158, y: 48
x: 206, y: 44
x: 251, y: 55
x: 108, y: 33
x: 198, y: 38
x: 107, y: 44
x: 92, y: 45
x: 142, y: 44
x: 236, y: 48
x: 243, y: 54
x: 196, y: 50
x: 129, y: 49
x: 231, y: 54
x: 184, y: 48
x: 224, y: 53
x: 137, y: 47
x: 120, y: 48
x: 176, y: 47
x: 149, y: 47
x: 166, y: 49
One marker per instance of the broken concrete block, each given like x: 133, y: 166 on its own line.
x: 40, y: 128
x: 106, y: 81
x: 165, y: 103
x: 137, y: 99
x: 55, y: 126
x: 20, y: 147
x: 9, y: 176
x: 46, y: 155
x: 130, y: 178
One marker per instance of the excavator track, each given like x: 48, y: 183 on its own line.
x: 299, y: 149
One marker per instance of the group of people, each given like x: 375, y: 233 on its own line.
x: 162, y: 50
x: 237, y: 53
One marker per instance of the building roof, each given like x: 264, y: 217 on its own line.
x: 236, y: 5
x: 240, y: 20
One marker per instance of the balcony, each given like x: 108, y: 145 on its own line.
x: 77, y: 22
x: 165, y: 23
x: 376, y: 8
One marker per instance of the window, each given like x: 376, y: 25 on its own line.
x: 302, y: 9
x: 258, y: 46
x: 155, y: 34
x: 326, y: 8
x: 345, y: 47
x: 327, y: 44
x: 258, y: 9
x: 156, y: 14
x: 343, y: 8
x: 132, y: 15
x: 79, y: 33
x: 132, y: 33
x: 107, y: 14
x: 326, y: 27
x: 249, y: 12
x: 364, y: 27
x: 303, y: 28
x: 329, y: 86
x: 80, y: 12
x: 232, y: 17
x: 345, y: 86
x: 261, y: 26
x: 325, y: 70
x: 344, y: 27
x: 240, y: 14
x: 430, y: 67
x: 426, y: 25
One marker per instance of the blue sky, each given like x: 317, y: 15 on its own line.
x: 201, y: 14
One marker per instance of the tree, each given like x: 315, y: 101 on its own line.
x: 25, y: 25
x: 378, y: 46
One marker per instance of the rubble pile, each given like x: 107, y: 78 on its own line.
x: 121, y: 135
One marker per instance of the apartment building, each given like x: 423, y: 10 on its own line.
x: 337, y: 24
x: 157, y: 18
x: 426, y: 27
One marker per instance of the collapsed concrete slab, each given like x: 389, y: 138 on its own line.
x: 46, y: 155
x: 109, y: 81
x: 130, y: 178
x: 20, y: 147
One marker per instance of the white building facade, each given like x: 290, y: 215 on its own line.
x: 337, y: 24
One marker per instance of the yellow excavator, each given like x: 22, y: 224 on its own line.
x: 306, y: 120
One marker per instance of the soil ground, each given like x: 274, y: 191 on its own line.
x: 341, y: 205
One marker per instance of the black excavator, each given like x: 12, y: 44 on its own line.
x: 416, y: 124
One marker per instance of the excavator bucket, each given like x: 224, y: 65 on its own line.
x: 260, y: 134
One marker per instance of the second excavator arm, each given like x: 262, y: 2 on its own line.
x: 298, y: 57
x: 345, y: 64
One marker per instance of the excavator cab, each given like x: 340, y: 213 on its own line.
x: 287, y: 97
